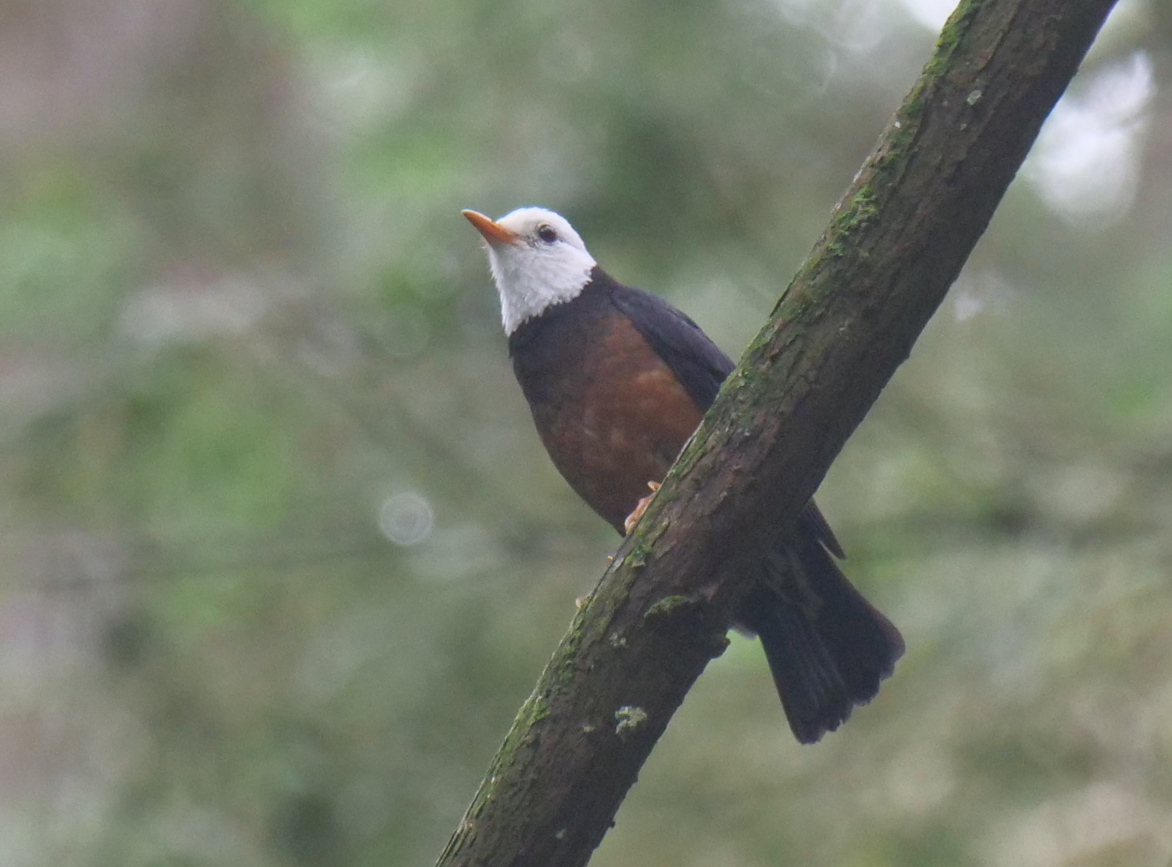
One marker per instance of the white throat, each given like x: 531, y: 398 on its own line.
x: 527, y: 289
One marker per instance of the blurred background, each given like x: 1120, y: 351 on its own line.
x: 280, y: 554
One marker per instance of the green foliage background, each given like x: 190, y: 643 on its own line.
x: 281, y: 555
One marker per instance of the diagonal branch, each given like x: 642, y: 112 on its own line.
x: 896, y: 242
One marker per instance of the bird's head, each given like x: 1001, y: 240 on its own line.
x: 537, y: 260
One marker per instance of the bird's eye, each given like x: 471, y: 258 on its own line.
x: 547, y: 233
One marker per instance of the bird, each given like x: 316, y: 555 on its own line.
x: 617, y: 380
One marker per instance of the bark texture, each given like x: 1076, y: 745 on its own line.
x: 896, y: 242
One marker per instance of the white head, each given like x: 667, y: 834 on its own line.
x: 537, y: 260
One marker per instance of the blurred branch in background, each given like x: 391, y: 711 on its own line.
x: 243, y: 336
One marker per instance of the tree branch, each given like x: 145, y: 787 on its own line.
x: 896, y: 242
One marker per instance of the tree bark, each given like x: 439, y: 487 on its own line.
x: 896, y: 242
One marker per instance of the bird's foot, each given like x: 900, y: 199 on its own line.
x: 640, y: 508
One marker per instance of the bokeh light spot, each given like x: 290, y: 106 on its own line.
x: 406, y: 518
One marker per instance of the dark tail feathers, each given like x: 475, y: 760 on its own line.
x: 827, y: 647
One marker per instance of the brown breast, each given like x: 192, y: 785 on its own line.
x: 610, y: 412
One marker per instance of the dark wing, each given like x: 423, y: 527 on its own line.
x: 814, y: 523
x: 696, y: 361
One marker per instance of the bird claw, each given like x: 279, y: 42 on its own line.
x: 640, y: 508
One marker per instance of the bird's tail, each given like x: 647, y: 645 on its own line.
x: 828, y: 647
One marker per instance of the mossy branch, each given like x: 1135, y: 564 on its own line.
x: 896, y: 242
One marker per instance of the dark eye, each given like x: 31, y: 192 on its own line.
x: 547, y: 233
